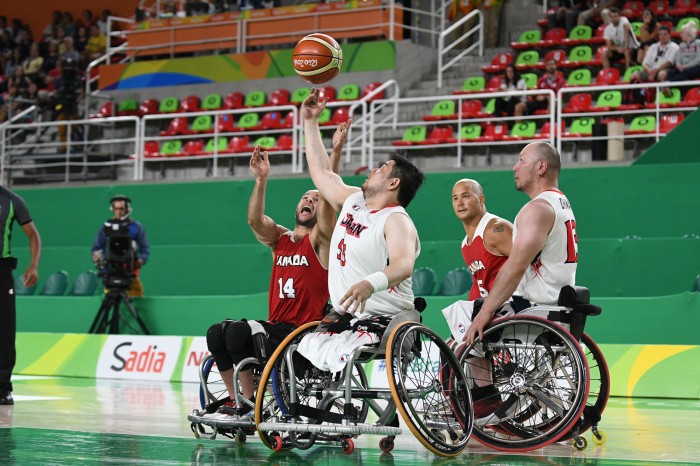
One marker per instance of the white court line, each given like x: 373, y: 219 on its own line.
x: 37, y: 398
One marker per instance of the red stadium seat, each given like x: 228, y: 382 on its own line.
x: 194, y: 147
x: 471, y: 109
x: 598, y: 37
x: 578, y: 103
x: 288, y: 120
x: 692, y: 98
x: 190, y: 103
x: 327, y: 92
x: 177, y: 126
x: 340, y: 115
x: 234, y: 100
x: 495, y: 132
x: 239, y: 144
x: 148, y: 107
x: 659, y: 7
x: 670, y: 121
x: 438, y: 135
x: 607, y: 77
x: 226, y: 123
x: 547, y: 129
x: 106, y: 110
x: 279, y: 97
x: 285, y: 142
x: 371, y: 87
x: 498, y: 63
x: 552, y: 38
x: 682, y: 8
x: 635, y: 9
x: 271, y: 120
x: 150, y: 149
x: 494, y: 83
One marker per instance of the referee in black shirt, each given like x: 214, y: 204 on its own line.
x: 13, y: 209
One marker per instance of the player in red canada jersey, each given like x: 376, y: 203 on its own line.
x: 299, y: 282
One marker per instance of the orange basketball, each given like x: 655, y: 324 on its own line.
x: 317, y: 58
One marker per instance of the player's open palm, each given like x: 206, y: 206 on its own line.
x: 312, y: 106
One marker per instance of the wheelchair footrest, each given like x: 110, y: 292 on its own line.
x: 235, y: 422
x: 329, y: 429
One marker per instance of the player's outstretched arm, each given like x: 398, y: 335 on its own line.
x: 329, y: 184
x: 265, y: 229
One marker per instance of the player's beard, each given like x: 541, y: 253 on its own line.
x: 310, y: 223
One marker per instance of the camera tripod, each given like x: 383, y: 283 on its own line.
x: 107, y: 317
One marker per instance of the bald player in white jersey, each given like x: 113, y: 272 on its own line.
x: 544, y: 255
x: 373, y: 248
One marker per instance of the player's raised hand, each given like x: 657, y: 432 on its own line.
x: 340, y: 136
x: 259, y: 163
x: 313, y: 105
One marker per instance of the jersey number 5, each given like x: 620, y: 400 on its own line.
x: 287, y: 288
x: 571, y: 242
x: 341, y: 252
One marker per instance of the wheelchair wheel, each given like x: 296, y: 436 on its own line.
x: 266, y: 405
x: 600, y: 386
x: 541, y: 383
x: 438, y: 412
x: 211, y: 387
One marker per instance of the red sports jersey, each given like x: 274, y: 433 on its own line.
x: 299, y: 284
x: 482, y: 263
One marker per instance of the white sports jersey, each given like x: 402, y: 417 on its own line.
x: 358, y: 248
x: 555, y: 265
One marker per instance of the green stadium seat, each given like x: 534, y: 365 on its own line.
x: 579, y: 77
x: 212, y: 102
x: 298, y: 95
x: 56, y: 284
x: 527, y: 59
x: 255, y: 99
x: 581, y: 127
x: 456, y: 282
x: 220, y: 147
x: 266, y: 142
x: 530, y: 80
x: 442, y: 110
x: 202, y: 124
x: 579, y: 34
x: 128, y: 107
x: 523, y: 130
x: 349, y: 92
x: 472, y: 84
x: 607, y: 101
x: 470, y: 132
x: 629, y: 71
x: 636, y: 27
x: 642, y: 124
x: 689, y: 19
x: 20, y: 289
x: 172, y: 148
x: 325, y: 117
x: 579, y: 56
x: 424, y: 279
x: 530, y: 36
x: 169, y: 105
x: 490, y: 106
x: 248, y: 121
x: 86, y: 284
x: 412, y: 135
x: 668, y: 101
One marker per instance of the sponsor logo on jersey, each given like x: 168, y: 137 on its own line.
x: 356, y: 207
x: 298, y: 260
x: 476, y: 266
x: 461, y: 328
x: 353, y: 228
x: 564, y: 203
x: 344, y: 357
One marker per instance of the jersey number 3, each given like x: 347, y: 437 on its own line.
x: 287, y: 288
x: 571, y: 242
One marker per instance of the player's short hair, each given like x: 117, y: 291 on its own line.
x: 547, y: 152
x: 410, y: 176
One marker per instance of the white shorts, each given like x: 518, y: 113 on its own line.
x: 459, y: 317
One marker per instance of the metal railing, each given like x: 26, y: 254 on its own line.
x: 444, y: 49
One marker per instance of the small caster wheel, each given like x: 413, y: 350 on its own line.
x: 276, y: 443
x: 348, y: 445
x: 386, y: 444
x: 240, y: 436
x: 599, y: 437
x: 195, y: 431
x: 439, y: 436
x: 580, y: 443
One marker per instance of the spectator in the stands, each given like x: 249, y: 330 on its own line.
x: 68, y: 23
x: 686, y: 63
x: 620, y: 40
x: 102, y: 21
x: 23, y: 39
x: 552, y: 79
x: 13, y: 62
x: 50, y: 29
x: 33, y: 63
x: 58, y: 35
x: 566, y: 14
x: 81, y: 39
x: 86, y: 19
x: 648, y: 33
x: 597, y: 9
x: 511, y: 82
x: 659, y: 57
x: 19, y: 80
x: 50, y: 60
x: 69, y: 52
x: 7, y: 45
x: 97, y: 43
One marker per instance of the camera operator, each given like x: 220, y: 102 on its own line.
x: 122, y: 223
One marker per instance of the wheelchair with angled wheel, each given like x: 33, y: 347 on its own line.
x: 548, y: 380
x: 299, y: 405
x: 213, y: 394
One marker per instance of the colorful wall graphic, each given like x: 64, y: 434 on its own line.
x: 358, y: 57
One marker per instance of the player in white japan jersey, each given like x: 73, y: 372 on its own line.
x: 359, y: 249
x: 555, y: 266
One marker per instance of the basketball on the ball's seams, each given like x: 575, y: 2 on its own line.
x: 317, y: 58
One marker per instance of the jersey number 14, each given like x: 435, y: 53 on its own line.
x: 287, y: 288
